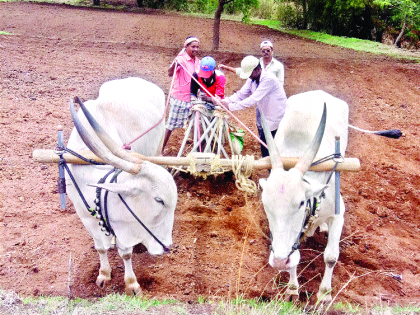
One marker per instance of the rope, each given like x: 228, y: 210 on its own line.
x: 199, y: 107
x: 215, y: 167
x: 221, y: 114
x: 127, y: 145
x: 191, y: 167
x: 243, y: 183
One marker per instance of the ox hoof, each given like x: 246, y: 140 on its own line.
x: 324, y: 296
x: 291, y: 296
x: 133, y: 288
x: 102, y: 279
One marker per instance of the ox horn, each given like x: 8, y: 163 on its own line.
x: 305, y: 162
x: 275, y: 157
x: 106, y: 139
x: 100, y: 149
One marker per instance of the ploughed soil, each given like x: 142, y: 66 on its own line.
x: 50, y: 53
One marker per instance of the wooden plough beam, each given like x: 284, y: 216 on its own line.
x: 50, y: 156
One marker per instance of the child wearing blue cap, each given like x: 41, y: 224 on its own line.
x: 213, y: 80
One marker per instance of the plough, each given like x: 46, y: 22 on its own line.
x: 203, y: 163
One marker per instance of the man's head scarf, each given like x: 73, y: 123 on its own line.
x: 189, y: 40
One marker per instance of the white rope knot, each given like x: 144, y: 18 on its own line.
x: 242, y: 167
x: 215, y: 167
x: 199, y: 106
x: 220, y: 113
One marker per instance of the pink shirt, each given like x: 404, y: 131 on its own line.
x: 181, y: 89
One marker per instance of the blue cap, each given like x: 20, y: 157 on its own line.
x: 207, y: 65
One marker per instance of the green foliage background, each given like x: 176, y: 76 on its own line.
x: 363, y: 19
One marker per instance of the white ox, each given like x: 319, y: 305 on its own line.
x: 285, y: 193
x: 125, y: 108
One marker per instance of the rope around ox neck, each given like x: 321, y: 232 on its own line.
x: 243, y: 182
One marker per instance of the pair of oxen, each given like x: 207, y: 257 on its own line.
x: 147, y: 192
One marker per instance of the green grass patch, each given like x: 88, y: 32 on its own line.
x: 399, y: 310
x: 123, y: 304
x: 107, y: 304
x: 5, y: 33
x: 347, y: 308
x: 258, y: 307
x: 346, y: 42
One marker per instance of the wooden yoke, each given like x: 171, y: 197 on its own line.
x: 49, y: 156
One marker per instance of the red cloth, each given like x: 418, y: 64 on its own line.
x: 215, y: 84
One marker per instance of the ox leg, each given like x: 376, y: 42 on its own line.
x: 323, y: 227
x: 132, y: 287
x: 331, y: 255
x: 292, y: 292
x: 104, y: 269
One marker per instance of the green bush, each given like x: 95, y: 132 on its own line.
x: 289, y: 15
x: 266, y: 10
x: 179, y: 5
x: 203, y: 6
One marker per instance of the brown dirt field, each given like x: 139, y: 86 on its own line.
x: 57, y: 52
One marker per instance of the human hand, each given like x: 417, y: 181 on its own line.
x: 221, y: 66
x: 215, y: 99
x: 224, y: 103
x: 178, y: 60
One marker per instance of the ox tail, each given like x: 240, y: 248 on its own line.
x: 391, y: 133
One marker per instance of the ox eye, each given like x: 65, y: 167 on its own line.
x: 159, y: 200
x: 301, y: 204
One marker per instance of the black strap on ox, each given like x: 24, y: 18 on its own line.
x: 106, y: 225
x: 309, y: 212
x: 103, y: 217
x: 165, y: 249
x: 311, y: 207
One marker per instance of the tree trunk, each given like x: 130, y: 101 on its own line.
x: 96, y: 2
x: 397, y: 41
x: 216, y: 25
x: 305, y: 15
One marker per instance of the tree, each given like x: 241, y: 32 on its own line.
x: 216, y: 23
x: 404, y: 12
x: 243, y: 6
x: 336, y: 17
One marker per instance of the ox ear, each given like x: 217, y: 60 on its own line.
x: 262, y: 182
x: 122, y: 189
x: 316, y: 189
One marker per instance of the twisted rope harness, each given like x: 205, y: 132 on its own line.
x: 242, y: 167
x: 199, y: 106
